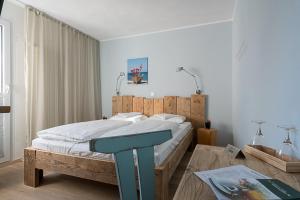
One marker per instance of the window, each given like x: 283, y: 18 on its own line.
x: 4, y: 90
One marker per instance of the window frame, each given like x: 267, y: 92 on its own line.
x: 6, y: 80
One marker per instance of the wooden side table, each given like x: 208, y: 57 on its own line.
x: 206, y: 136
x: 4, y: 109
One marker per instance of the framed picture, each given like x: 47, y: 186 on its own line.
x: 137, y: 71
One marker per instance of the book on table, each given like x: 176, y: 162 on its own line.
x: 241, y: 182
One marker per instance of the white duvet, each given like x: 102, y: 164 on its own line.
x: 81, y: 132
x: 83, y: 149
x: 149, y: 125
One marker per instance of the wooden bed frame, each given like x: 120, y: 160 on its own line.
x: 35, y: 161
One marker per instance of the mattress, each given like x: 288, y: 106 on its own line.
x: 82, y: 149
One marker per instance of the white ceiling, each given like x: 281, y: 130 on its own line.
x: 106, y: 19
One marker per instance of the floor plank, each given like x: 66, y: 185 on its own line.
x: 63, y: 187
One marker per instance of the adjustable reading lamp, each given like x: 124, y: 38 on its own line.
x: 118, y: 84
x: 195, y: 77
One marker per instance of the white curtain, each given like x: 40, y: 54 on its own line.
x: 62, y: 74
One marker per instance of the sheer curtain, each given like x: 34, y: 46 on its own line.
x: 62, y: 74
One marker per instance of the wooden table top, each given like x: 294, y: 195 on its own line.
x: 211, y: 157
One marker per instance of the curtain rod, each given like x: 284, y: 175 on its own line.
x: 38, y: 12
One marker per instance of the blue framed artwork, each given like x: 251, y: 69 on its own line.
x: 137, y: 71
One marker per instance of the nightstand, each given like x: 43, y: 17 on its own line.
x: 206, y: 136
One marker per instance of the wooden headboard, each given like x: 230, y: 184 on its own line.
x: 193, y: 108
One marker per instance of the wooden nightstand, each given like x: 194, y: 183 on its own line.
x: 206, y: 136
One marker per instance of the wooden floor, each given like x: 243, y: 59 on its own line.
x: 63, y: 187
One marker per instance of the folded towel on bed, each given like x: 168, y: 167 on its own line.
x: 81, y: 132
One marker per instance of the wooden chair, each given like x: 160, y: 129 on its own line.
x: 122, y: 147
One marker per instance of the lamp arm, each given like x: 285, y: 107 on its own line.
x: 190, y: 73
x: 195, y: 79
x: 117, y: 84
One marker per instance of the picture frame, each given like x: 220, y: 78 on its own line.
x: 137, y: 71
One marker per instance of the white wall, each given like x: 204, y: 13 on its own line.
x: 15, y: 15
x: 266, y: 68
x: 206, y: 50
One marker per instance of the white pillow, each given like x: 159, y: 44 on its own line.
x: 137, y: 118
x: 127, y: 115
x: 169, y: 117
x: 178, y: 119
x: 163, y: 116
x: 133, y: 119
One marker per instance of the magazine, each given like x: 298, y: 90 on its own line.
x: 240, y: 182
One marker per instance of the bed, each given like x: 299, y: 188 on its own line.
x: 53, y: 157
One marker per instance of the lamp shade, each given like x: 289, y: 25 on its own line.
x: 179, y: 69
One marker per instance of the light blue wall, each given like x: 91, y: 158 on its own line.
x: 266, y: 68
x: 206, y: 50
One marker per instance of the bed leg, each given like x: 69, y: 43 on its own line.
x: 162, y: 185
x: 40, y: 175
x: 32, y: 176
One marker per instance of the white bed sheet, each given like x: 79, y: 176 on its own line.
x: 82, y: 131
x: 82, y: 149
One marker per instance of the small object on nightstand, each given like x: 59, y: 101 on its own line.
x: 206, y: 136
x: 208, y: 124
x: 234, y: 152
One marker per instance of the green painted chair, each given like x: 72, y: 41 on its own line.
x: 122, y: 147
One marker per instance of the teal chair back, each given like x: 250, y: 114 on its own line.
x: 122, y: 148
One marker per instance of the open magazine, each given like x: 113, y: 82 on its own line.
x: 240, y: 182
